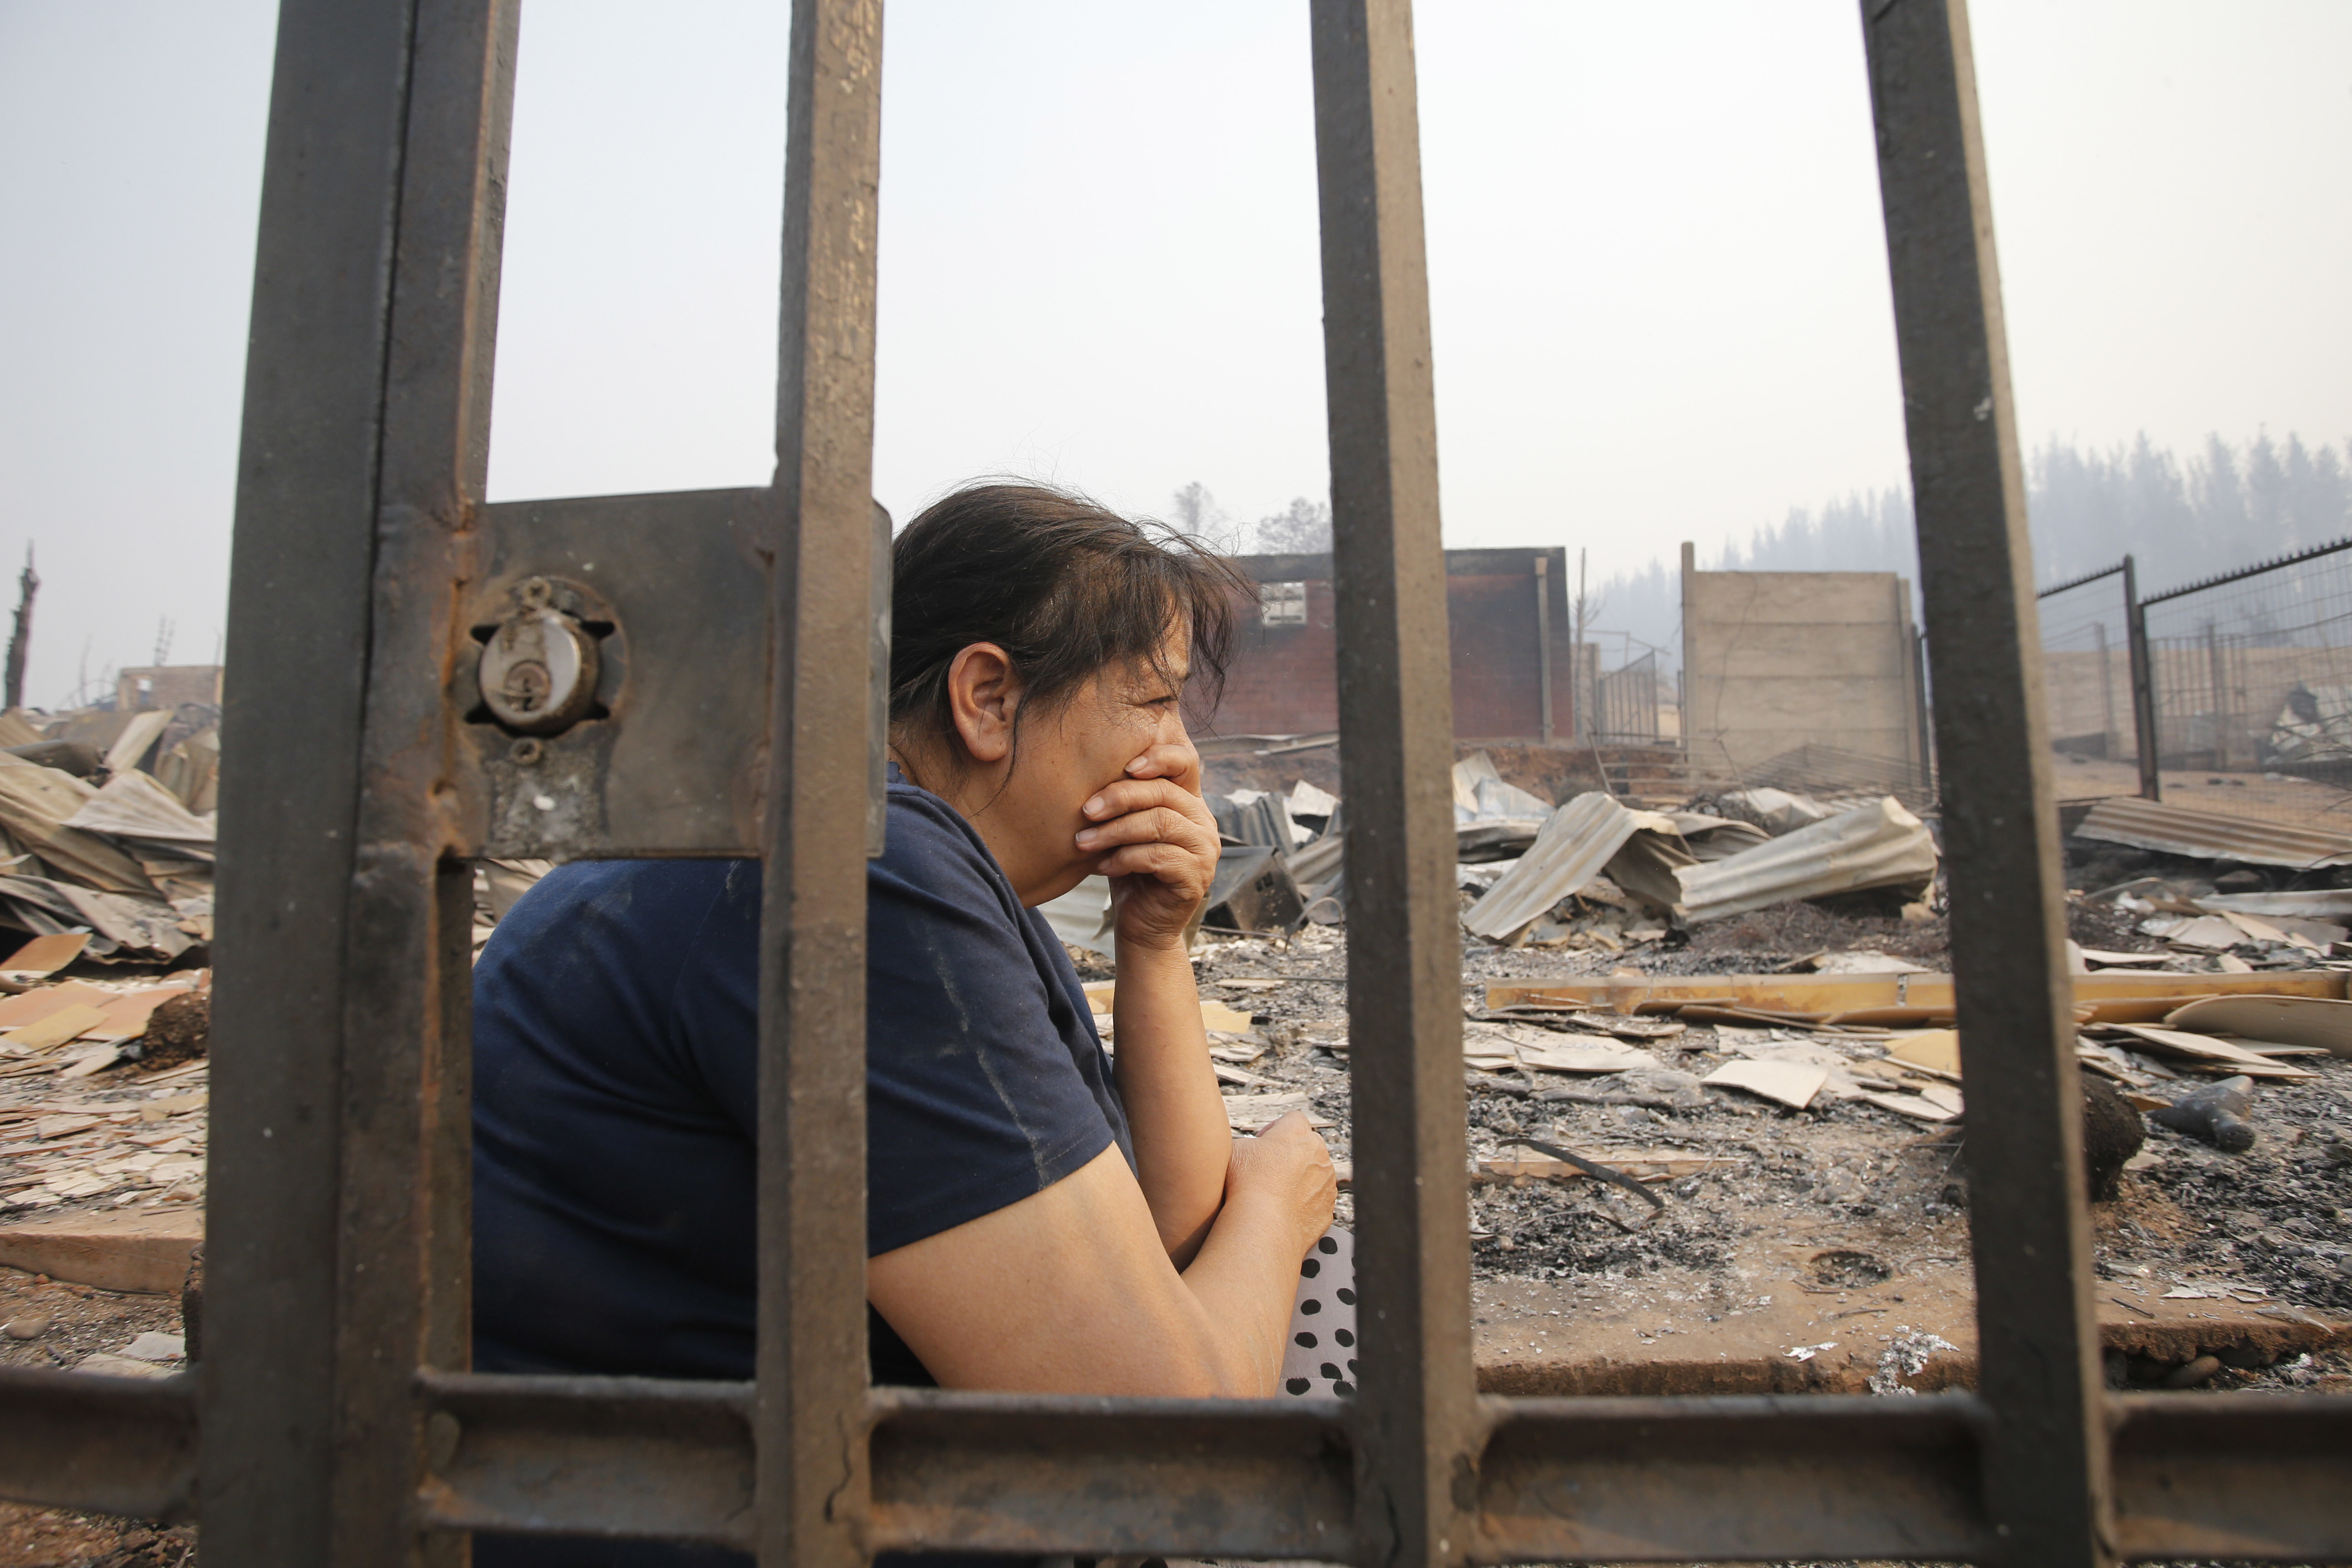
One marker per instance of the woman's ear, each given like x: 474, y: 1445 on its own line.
x: 985, y: 696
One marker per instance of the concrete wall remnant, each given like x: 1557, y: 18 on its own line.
x: 1780, y: 663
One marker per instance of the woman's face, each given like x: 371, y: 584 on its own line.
x: 1026, y: 793
x: 1065, y: 756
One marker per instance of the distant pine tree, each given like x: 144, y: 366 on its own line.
x: 2224, y: 506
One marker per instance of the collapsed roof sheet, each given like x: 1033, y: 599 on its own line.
x: 1876, y: 846
x: 133, y: 805
x: 1574, y: 846
x: 2209, y: 836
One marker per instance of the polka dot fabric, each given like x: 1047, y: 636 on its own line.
x: 1321, y: 1357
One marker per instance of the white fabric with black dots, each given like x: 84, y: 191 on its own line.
x: 1321, y: 1357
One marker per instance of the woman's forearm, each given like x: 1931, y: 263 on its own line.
x: 1177, y: 1118
x: 1246, y: 1278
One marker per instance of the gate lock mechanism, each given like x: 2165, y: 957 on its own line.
x: 539, y: 666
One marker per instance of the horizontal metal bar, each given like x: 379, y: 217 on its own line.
x: 1674, y: 1481
x: 2085, y: 580
x: 589, y: 1455
x: 2256, y: 570
x: 2250, y: 1477
x: 112, y: 1445
x: 1195, y: 1478
x: 2254, y: 1476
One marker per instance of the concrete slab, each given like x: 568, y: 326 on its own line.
x: 143, y: 1250
x: 1669, y: 1335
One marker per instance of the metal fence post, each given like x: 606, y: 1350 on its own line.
x: 402, y: 180
x: 2046, y: 1457
x: 1543, y: 644
x: 2217, y: 671
x: 303, y: 553
x: 1416, y: 1454
x: 2143, y: 685
x: 810, y: 1420
x: 404, y: 1264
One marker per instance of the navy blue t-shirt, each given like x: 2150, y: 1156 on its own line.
x: 614, y: 1114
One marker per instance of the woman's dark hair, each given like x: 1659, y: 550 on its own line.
x: 1065, y: 587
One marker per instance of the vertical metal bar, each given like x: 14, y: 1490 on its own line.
x: 878, y: 710
x: 298, y: 637
x: 1922, y: 722
x: 2143, y: 684
x: 2217, y: 671
x: 1907, y: 656
x: 810, y: 1419
x: 1543, y: 643
x: 1416, y: 1454
x: 2046, y: 1457
x: 2108, y: 735
x: 404, y: 1281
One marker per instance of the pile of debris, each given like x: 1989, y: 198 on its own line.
x: 102, y: 1082
x: 1597, y: 873
x: 1593, y: 872
x: 92, y: 841
x: 107, y: 835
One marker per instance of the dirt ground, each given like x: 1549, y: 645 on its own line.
x: 1842, y: 1222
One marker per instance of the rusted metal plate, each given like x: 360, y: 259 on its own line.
x: 2045, y: 1458
x: 2211, y: 836
x: 672, y: 761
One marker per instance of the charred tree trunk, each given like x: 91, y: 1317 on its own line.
x: 20, y: 640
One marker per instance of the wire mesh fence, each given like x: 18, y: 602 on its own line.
x: 2252, y: 671
x: 2086, y: 667
x: 2232, y: 693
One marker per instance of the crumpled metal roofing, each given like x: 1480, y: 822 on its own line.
x: 2211, y: 836
x: 1876, y: 846
x: 1577, y: 841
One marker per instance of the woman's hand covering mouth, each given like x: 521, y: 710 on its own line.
x: 1156, y: 841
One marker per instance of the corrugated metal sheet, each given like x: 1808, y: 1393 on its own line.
x: 2209, y: 836
x: 2318, y: 904
x: 1876, y: 846
x: 1576, y: 843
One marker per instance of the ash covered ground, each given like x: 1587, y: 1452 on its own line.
x: 2267, y: 1229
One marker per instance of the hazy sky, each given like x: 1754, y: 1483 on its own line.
x: 1658, y: 282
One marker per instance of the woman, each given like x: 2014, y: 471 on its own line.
x: 1035, y: 1221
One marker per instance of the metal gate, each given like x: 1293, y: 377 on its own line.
x: 1625, y: 702
x: 332, y: 1420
